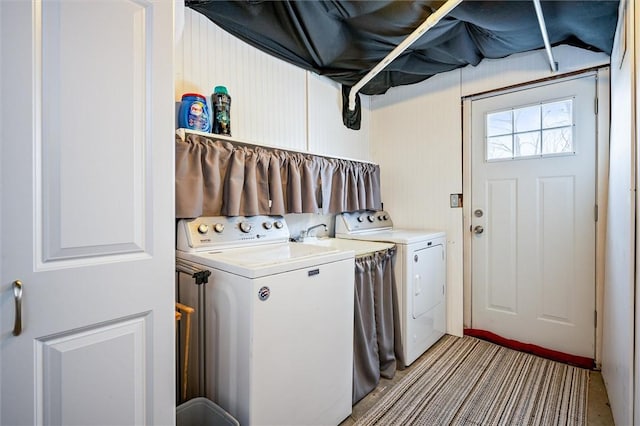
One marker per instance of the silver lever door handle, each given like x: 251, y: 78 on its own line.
x: 17, y: 295
x: 478, y: 229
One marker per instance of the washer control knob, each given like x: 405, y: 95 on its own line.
x: 371, y: 218
x: 360, y: 218
x: 266, y: 225
x: 245, y: 227
x: 203, y: 228
x: 218, y: 227
x: 278, y: 224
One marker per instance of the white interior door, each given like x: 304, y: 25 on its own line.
x: 87, y: 212
x: 533, y: 172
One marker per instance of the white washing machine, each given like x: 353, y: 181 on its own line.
x: 420, y: 273
x: 275, y: 326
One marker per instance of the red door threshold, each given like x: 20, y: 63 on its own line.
x: 578, y: 361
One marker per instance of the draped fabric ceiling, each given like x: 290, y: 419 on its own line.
x: 343, y: 40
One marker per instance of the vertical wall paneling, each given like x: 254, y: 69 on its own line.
x: 618, y: 309
x: 268, y: 94
x: 525, y: 67
x: 327, y: 134
x: 416, y: 138
x: 273, y: 103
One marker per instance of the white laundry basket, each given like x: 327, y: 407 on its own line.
x: 203, y: 412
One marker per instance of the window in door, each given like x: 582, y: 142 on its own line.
x: 530, y: 131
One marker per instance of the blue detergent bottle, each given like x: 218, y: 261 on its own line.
x: 194, y: 113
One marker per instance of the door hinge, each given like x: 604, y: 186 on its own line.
x: 595, y: 106
x: 595, y: 212
x: 595, y: 318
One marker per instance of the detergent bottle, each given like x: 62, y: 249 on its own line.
x: 194, y: 113
x: 221, y: 105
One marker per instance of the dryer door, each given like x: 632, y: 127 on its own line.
x: 427, y: 279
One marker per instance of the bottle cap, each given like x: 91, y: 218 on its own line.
x: 192, y: 95
x: 220, y: 89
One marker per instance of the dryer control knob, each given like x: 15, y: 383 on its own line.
x: 218, y: 227
x: 266, y: 225
x: 278, y: 224
x: 360, y: 219
x: 245, y: 227
x: 371, y: 218
x: 203, y: 228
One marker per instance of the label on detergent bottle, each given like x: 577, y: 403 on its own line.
x: 194, y: 113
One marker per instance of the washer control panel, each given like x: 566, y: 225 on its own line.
x: 361, y: 221
x: 211, y: 232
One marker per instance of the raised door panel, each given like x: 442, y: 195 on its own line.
x: 94, y: 376
x: 94, y: 124
x: 556, y: 247
x: 501, y: 241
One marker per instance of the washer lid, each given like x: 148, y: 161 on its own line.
x: 268, y: 259
x: 360, y: 248
x: 398, y: 236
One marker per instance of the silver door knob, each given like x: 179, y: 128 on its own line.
x: 478, y: 229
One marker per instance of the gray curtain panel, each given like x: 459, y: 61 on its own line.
x: 215, y: 177
x: 373, y: 333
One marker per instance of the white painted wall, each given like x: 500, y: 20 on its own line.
x: 273, y: 103
x: 416, y: 137
x: 618, y: 321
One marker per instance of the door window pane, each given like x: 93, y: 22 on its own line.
x: 531, y: 131
x: 500, y: 147
x: 557, y: 141
x: 557, y: 114
x: 527, y: 144
x: 499, y: 123
x: 527, y: 119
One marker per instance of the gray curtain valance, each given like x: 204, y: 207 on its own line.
x: 215, y: 177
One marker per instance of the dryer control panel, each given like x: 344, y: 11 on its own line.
x: 218, y: 232
x: 361, y: 221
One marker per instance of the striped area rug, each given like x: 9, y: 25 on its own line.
x: 467, y: 381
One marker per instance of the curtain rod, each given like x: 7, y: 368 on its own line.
x: 430, y: 22
x: 183, y: 132
x: 545, y: 35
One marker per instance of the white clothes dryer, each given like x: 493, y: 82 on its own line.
x: 420, y: 274
x: 274, y: 334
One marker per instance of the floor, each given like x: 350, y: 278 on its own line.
x: 598, y: 409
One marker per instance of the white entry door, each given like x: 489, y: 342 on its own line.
x: 533, y: 172
x: 87, y: 213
